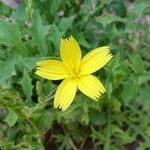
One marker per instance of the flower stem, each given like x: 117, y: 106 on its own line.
x: 108, y: 131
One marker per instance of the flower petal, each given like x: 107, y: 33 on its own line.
x: 70, y: 52
x: 65, y: 94
x: 90, y: 86
x: 51, y: 69
x: 95, y: 60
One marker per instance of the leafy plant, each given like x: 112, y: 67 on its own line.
x: 31, y: 32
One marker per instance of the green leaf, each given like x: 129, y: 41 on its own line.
x: 143, y: 78
x: 39, y: 33
x: 123, y: 137
x: 96, y: 135
x: 55, y: 36
x: 116, y: 104
x: 139, y: 7
x: 108, y: 19
x: 7, y: 70
x: 119, y: 7
x: 11, y: 118
x: 129, y: 92
x: 97, y: 117
x: 9, y: 97
x: 9, y: 34
x: 28, y: 62
x: 54, y: 6
x: 8, y: 67
x: 137, y: 64
x: 65, y: 23
x: 81, y: 39
x: 20, y: 13
x: 144, y: 95
x: 26, y: 83
x: 42, y: 121
x: 5, y: 10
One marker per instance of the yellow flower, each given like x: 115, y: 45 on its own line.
x: 75, y: 72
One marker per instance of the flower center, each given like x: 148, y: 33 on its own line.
x: 73, y: 71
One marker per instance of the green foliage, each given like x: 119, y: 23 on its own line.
x: 7, y: 71
x: 32, y: 32
x: 26, y: 83
x: 39, y: 33
x: 11, y: 118
x: 10, y: 35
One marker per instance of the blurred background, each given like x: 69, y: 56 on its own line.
x: 30, y: 31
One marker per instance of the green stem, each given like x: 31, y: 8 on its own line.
x: 33, y: 126
x: 51, y: 92
x: 137, y: 88
x: 51, y: 97
x: 108, y: 132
